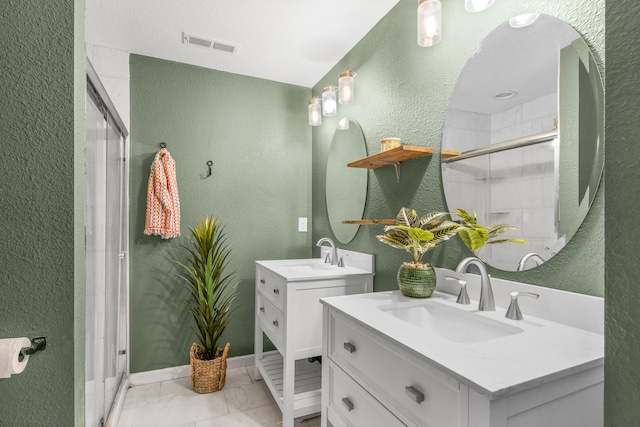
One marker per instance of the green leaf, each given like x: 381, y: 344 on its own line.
x: 420, y: 235
x: 406, y: 217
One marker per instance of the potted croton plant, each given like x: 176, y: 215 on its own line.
x: 211, y: 293
x: 417, y: 235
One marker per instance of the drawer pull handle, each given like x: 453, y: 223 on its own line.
x: 262, y: 281
x: 262, y: 309
x: 347, y: 403
x: 414, y: 394
x: 275, y: 323
x: 276, y: 291
x: 349, y: 347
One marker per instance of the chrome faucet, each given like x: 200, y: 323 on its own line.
x: 534, y: 256
x: 334, y: 251
x: 486, y: 293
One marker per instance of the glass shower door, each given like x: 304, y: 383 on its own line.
x: 115, y: 250
x: 105, y: 270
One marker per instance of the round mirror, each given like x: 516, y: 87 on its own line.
x: 346, y: 189
x: 526, y: 116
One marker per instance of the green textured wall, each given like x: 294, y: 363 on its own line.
x: 402, y: 90
x: 42, y: 184
x: 622, y: 339
x: 255, y: 132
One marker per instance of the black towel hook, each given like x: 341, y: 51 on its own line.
x: 209, y: 163
x: 163, y: 145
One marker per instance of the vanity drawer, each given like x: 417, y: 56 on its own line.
x: 352, y: 405
x: 271, y: 286
x: 271, y: 320
x: 420, y: 393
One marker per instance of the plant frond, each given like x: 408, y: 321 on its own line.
x: 521, y: 241
x: 432, y: 219
x: 496, y: 229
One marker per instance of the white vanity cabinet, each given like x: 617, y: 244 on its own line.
x: 289, y: 313
x: 371, y: 379
x: 397, y: 382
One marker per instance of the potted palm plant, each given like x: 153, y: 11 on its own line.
x: 417, y: 235
x: 211, y: 294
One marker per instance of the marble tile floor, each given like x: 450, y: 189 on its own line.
x: 242, y: 402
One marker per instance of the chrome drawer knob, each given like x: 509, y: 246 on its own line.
x: 262, y: 281
x: 347, y: 403
x: 276, y: 291
x: 349, y: 347
x: 262, y: 309
x: 275, y: 323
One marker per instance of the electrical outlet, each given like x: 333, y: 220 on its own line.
x: 302, y: 225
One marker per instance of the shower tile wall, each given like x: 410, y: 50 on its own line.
x: 524, y: 186
x: 468, y: 131
x: 516, y: 187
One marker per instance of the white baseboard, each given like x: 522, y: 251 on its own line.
x: 175, y: 372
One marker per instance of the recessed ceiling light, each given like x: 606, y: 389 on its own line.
x: 523, y: 20
x: 507, y: 94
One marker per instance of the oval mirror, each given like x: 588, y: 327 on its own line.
x: 346, y: 188
x: 527, y: 116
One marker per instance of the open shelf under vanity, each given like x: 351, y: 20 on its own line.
x: 307, y: 384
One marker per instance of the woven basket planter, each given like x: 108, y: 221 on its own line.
x: 208, y: 376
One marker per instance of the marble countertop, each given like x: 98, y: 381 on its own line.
x: 542, y: 352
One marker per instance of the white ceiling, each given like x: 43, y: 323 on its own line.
x: 289, y: 41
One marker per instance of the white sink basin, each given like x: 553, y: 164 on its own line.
x: 308, y: 267
x: 448, y: 322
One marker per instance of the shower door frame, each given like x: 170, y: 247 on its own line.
x: 99, y: 95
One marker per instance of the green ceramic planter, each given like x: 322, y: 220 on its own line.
x: 416, y: 282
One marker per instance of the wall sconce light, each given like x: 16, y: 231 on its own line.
x: 429, y: 22
x: 477, y: 5
x: 315, y: 112
x: 345, y: 87
x: 329, y: 103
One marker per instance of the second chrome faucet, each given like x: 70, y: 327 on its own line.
x: 486, y: 292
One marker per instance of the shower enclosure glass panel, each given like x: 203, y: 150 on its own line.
x: 106, y: 249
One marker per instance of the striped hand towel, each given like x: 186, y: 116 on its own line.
x: 163, y: 205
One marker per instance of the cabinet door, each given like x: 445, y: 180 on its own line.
x: 305, y: 311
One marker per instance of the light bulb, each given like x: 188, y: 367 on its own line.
x: 329, y: 104
x: 429, y: 22
x: 345, y: 87
x: 315, y: 115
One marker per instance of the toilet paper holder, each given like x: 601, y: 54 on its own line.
x: 37, y: 344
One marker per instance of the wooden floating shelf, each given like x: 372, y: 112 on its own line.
x: 371, y: 221
x: 393, y: 156
x: 447, y: 154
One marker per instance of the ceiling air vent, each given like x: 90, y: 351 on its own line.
x: 192, y: 40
